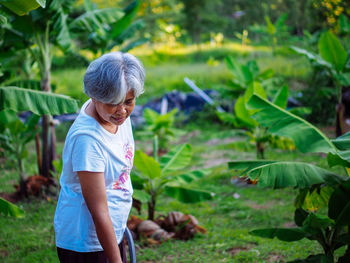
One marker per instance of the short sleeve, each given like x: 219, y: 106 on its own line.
x: 87, y: 155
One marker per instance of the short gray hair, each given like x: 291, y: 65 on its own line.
x: 109, y: 78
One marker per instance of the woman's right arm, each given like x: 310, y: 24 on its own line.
x: 94, y: 192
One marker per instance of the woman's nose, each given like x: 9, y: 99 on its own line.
x: 121, y: 109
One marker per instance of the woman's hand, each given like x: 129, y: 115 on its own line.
x: 94, y: 192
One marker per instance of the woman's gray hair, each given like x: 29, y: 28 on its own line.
x: 109, y: 78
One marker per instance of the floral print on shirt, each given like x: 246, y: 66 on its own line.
x: 125, y: 174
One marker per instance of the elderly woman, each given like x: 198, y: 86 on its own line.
x: 96, y: 191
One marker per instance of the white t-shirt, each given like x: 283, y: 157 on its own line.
x: 89, y: 147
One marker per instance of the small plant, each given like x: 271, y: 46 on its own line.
x: 161, y: 125
x: 167, y: 174
x: 274, y: 32
x: 330, y: 74
x: 318, y: 187
x: 249, y: 80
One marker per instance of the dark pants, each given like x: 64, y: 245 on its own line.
x: 69, y: 256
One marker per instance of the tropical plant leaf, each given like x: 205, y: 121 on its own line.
x: 10, y: 209
x: 312, y: 57
x: 300, y: 111
x: 187, y: 195
x: 247, y: 166
x: 147, y: 165
x: 284, y: 234
x: 192, y: 175
x: 342, y: 142
x: 339, y: 158
x: 314, y: 198
x: 281, y: 97
x: 332, y: 50
x: 22, y: 7
x: 141, y: 195
x: 96, y: 18
x: 315, y: 223
x: 292, y: 174
x: 339, y: 204
x: 38, y: 102
x: 299, y: 216
x: 307, y: 138
x: 178, y: 158
x: 242, y: 114
x: 123, y: 23
x: 319, y: 258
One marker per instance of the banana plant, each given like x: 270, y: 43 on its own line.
x: 154, y: 176
x: 331, y: 72
x: 274, y: 31
x: 256, y: 133
x: 317, y: 186
x: 100, y: 30
x: 161, y: 125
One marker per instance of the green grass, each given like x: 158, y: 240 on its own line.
x: 166, y: 68
x: 227, y: 220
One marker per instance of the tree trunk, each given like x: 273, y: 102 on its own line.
x: 260, y: 150
x: 48, y: 145
x: 152, y: 207
x: 38, y: 154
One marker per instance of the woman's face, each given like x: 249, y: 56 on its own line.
x: 115, y: 114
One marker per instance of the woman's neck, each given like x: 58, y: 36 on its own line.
x: 91, y: 111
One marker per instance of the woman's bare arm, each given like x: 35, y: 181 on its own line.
x: 94, y: 192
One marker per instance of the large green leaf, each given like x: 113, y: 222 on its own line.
x: 122, y: 24
x: 246, y: 166
x: 339, y: 205
x: 307, y: 138
x: 332, y: 50
x: 10, y: 209
x: 342, y: 142
x: 281, y: 97
x: 292, y: 174
x: 319, y: 258
x: 147, y: 165
x: 192, y: 175
x: 96, y: 18
x: 243, y: 114
x: 38, y: 102
x: 312, y: 57
x: 284, y: 234
x: 242, y: 73
x: 141, y: 195
x: 178, y: 158
x: 314, y: 198
x: 22, y: 7
x: 187, y: 195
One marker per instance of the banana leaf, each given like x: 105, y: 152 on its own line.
x: 339, y: 205
x: 319, y: 258
x: 141, y: 195
x: 38, y: 102
x: 22, y: 7
x: 187, y: 195
x: 342, y: 142
x: 307, y: 138
x: 178, y: 158
x: 332, y: 50
x: 281, y: 97
x: 122, y: 24
x: 284, y: 234
x: 247, y: 166
x: 147, y: 165
x: 10, y: 209
x: 192, y: 175
x: 293, y: 174
x: 312, y: 57
x: 95, y: 18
